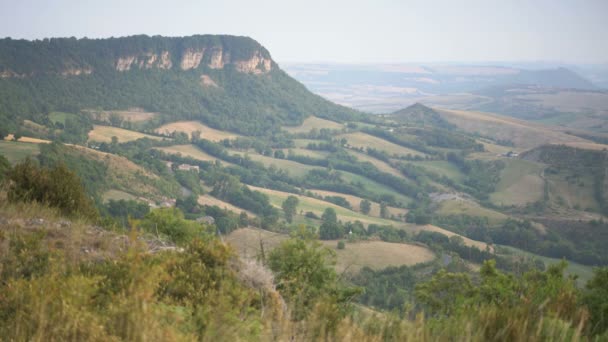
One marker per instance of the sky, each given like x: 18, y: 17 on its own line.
x: 355, y: 31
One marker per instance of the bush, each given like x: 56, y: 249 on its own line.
x: 341, y: 244
x: 58, y: 187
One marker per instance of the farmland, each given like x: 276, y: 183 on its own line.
x: 313, y: 122
x: 189, y: 127
x: 105, y: 134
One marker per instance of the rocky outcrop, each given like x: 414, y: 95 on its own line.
x: 206, y: 81
x: 77, y: 71
x: 255, y: 65
x: 191, y: 59
x: 146, y: 60
x: 11, y: 74
x: 218, y: 58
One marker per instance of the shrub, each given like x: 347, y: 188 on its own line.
x: 341, y: 244
x: 57, y: 187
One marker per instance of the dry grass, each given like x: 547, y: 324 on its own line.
x: 133, y: 114
x: 313, y: 122
x: 188, y: 127
x: 355, y: 202
x: 364, y: 140
x: 30, y: 140
x: 105, y: 134
x: 211, y: 201
x: 248, y: 241
x: 378, y: 255
x: 432, y: 228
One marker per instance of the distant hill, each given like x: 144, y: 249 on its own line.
x: 553, y: 78
x: 228, y: 82
x: 420, y: 115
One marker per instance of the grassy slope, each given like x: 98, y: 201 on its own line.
x: 355, y: 201
x: 520, y: 183
x: 456, y: 207
x: 189, y: 151
x: 188, y: 127
x: 359, y: 139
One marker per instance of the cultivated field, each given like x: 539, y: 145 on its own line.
x: 432, y: 228
x: 189, y: 151
x: 212, y: 201
x: 442, y: 168
x: 457, y: 207
x: 318, y: 206
x: 359, y: 139
x: 292, y: 167
x: 105, y: 134
x: 377, y: 255
x: 188, y: 127
x: 520, y: 183
x: 11, y: 137
x: 306, y: 152
x: 355, y: 201
x: 133, y: 115
x: 17, y: 151
x: 313, y: 122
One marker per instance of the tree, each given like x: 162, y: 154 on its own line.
x: 115, y: 119
x: 595, y: 297
x: 365, y: 206
x: 290, y: 207
x: 330, y: 229
x: 5, y: 166
x: 383, y: 210
x: 329, y: 216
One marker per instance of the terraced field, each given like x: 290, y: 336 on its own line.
x: 520, y: 183
x: 188, y: 127
x: 313, y: 122
x: 363, y: 140
x: 105, y: 134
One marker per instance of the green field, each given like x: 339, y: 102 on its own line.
x: 442, y: 168
x: 364, y: 140
x: 313, y: 122
x: 582, y: 271
x: 60, y: 117
x: 375, y: 187
x: 306, y: 152
x: 17, y: 151
x: 458, y: 207
x: 379, y: 164
x: 293, y: 168
x: 520, y: 183
x: 190, y: 151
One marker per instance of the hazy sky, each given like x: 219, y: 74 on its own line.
x: 341, y: 31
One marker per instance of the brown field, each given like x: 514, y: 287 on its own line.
x: 356, y: 201
x: 189, y: 151
x: 364, y: 140
x: 10, y: 137
x: 313, y: 122
x: 523, y: 134
x: 211, y: 201
x: 377, y: 255
x: 105, y: 134
x: 188, y: 127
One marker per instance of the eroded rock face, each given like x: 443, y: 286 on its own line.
x: 218, y: 59
x: 206, y: 81
x: 146, y: 60
x: 255, y: 65
x: 77, y: 71
x: 192, y: 59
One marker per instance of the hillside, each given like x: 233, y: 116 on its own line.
x: 204, y: 77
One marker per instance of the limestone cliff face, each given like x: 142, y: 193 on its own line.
x: 76, y: 58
